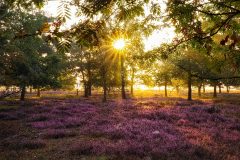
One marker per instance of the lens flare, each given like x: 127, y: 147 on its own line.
x: 119, y: 44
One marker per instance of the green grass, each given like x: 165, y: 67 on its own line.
x: 6, y: 107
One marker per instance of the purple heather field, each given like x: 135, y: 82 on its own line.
x: 145, y: 128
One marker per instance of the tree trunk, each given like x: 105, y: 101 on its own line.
x: 132, y: 80
x: 84, y: 85
x: 131, y: 89
x: 23, y: 91
x: 85, y: 90
x: 165, y: 88
x: 77, y: 92
x: 104, y: 87
x: 89, y: 82
x: 228, y: 89
x: 215, y: 90
x: 203, y: 88
x: 109, y: 89
x: 30, y: 89
x: 199, y: 90
x: 123, y: 78
x: 220, y: 88
x: 89, y: 88
x: 189, y: 86
x: 38, y: 92
x: 177, y: 89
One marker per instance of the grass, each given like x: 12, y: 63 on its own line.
x: 7, y: 107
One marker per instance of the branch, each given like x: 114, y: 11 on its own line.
x: 208, y: 35
x: 26, y: 35
x: 207, y: 78
x: 230, y: 7
x: 217, y: 14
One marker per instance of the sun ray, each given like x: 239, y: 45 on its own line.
x: 119, y: 44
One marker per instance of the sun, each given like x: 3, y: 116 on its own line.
x: 165, y: 35
x: 119, y: 44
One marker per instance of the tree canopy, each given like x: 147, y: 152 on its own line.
x: 37, y: 51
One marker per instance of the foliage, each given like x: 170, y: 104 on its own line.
x: 26, y: 59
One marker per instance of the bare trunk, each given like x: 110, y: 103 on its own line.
x: 228, y: 89
x: 89, y: 88
x: 104, y: 92
x: 85, y: 90
x: 89, y: 83
x: 131, y: 89
x: 31, y: 90
x: 165, y: 88
x: 23, y: 91
x: 109, y: 89
x: 123, y: 78
x: 104, y: 87
x: 38, y: 92
x: 215, y: 91
x: 77, y: 92
x: 132, y: 80
x: 220, y: 88
x: 199, y: 90
x: 189, y: 87
x: 203, y: 88
x: 177, y: 89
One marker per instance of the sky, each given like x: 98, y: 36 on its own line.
x: 165, y: 35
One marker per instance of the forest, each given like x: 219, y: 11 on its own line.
x: 120, y: 79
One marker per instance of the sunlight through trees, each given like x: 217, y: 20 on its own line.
x: 119, y: 79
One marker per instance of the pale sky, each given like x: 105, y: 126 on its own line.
x: 158, y: 37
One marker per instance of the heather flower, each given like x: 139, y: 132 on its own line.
x: 26, y: 144
x: 56, y: 134
x: 179, y: 130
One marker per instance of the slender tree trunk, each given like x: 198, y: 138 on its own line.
x: 215, y: 90
x: 203, y: 85
x: 84, y: 85
x: 30, y: 89
x: 123, y: 78
x: 131, y: 89
x: 132, y: 80
x: 38, y: 92
x: 220, y: 88
x: 104, y: 87
x: 89, y: 88
x: 165, y: 88
x: 104, y: 92
x: 199, y: 90
x: 177, y: 89
x: 85, y: 90
x: 89, y: 83
x: 77, y: 92
x: 189, y: 86
x: 109, y: 89
x: 23, y: 91
x: 228, y: 89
